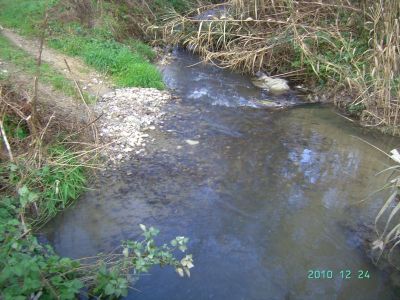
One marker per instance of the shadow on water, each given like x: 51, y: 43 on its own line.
x: 262, y: 196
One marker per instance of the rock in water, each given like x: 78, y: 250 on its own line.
x: 273, y: 85
x: 192, y: 142
x: 270, y: 104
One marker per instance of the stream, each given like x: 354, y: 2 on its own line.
x: 265, y: 196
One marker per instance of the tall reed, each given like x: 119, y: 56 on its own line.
x: 351, y: 45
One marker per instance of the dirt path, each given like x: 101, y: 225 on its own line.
x: 91, y: 81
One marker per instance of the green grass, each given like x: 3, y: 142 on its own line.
x: 27, y: 63
x: 14, y: 128
x: 4, y: 75
x: 128, y: 65
x: 141, y: 49
x: 24, y: 15
x: 53, y: 186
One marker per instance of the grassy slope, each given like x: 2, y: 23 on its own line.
x: 126, y: 65
x: 129, y: 65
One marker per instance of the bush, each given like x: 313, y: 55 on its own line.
x: 30, y: 269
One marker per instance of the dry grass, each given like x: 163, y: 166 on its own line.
x: 387, y: 223
x: 348, y: 44
x: 383, y: 89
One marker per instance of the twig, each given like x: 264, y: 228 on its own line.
x: 21, y: 214
x: 94, y: 130
x: 47, y: 125
x: 347, y: 118
x: 34, y: 119
x: 4, y: 136
x: 84, y: 127
x: 24, y: 234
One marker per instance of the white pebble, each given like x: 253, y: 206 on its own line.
x: 192, y: 142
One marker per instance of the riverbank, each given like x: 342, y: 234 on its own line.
x: 111, y: 108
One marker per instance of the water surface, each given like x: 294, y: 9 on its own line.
x: 264, y: 197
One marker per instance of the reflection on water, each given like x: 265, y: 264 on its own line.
x: 263, y: 196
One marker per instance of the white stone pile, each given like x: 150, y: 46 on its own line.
x: 127, y: 114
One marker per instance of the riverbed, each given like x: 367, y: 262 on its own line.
x: 265, y: 196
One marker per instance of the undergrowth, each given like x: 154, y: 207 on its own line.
x: 51, y: 186
x: 14, y: 128
x: 178, y: 5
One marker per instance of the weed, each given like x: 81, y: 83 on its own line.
x: 56, y: 184
x: 387, y: 224
x: 142, y: 49
x: 355, y: 109
x: 140, y: 74
x: 14, y: 128
x: 179, y: 5
x: 30, y: 269
x: 4, y: 75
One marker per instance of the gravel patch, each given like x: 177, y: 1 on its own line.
x: 128, y: 114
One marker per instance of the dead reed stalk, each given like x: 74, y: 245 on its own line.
x: 352, y: 44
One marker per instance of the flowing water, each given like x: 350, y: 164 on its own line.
x: 265, y: 196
